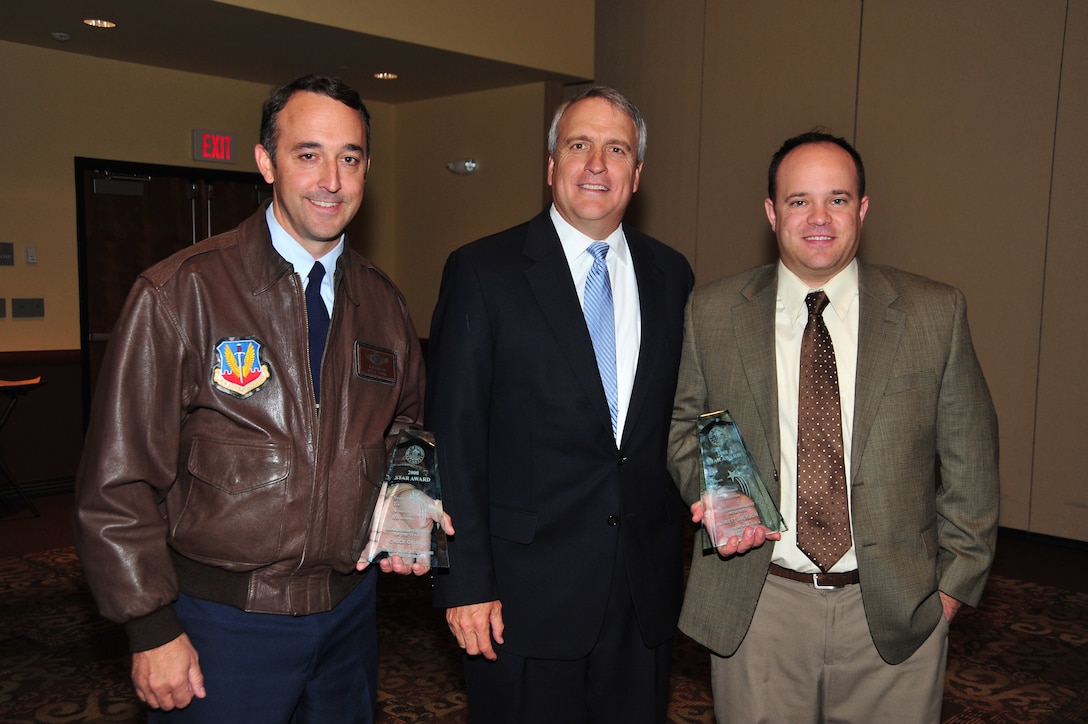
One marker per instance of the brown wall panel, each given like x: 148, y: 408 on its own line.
x: 773, y: 70
x: 956, y: 113
x: 653, y: 52
x: 954, y: 107
x: 1059, y: 495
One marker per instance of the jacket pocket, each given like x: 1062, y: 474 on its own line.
x: 235, y: 508
x: 517, y: 526
x: 913, y: 381
x: 373, y: 464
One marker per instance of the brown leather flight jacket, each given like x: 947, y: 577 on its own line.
x: 207, y: 468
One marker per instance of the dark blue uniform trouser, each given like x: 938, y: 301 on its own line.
x: 268, y: 668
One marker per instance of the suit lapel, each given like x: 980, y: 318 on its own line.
x: 753, y: 327
x: 651, y: 285
x: 550, y: 280
x: 880, y: 330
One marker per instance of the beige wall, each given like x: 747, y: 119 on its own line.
x: 59, y: 105
x: 556, y: 35
x: 414, y: 211
x: 970, y: 118
x: 62, y: 105
x: 438, y: 211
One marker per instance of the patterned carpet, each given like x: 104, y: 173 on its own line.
x: 1021, y: 658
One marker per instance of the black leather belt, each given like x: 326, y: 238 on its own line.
x: 823, y: 581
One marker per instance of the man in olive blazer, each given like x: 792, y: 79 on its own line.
x: 922, y: 462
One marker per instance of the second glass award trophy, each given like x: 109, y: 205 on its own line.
x: 734, y: 496
x: 408, y: 517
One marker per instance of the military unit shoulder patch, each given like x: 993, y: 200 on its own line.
x: 240, y: 371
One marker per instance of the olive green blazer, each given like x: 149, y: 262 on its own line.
x: 924, y: 457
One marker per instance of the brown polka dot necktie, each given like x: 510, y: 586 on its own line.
x: 823, y: 516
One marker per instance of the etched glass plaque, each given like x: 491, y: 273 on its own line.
x: 734, y: 496
x: 408, y: 517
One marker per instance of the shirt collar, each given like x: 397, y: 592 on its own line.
x: 286, y: 246
x: 575, y: 242
x: 841, y: 290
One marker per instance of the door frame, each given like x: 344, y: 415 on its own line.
x: 132, y: 170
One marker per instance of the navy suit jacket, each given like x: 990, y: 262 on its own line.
x: 530, y: 471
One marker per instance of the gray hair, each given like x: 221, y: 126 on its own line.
x: 618, y: 100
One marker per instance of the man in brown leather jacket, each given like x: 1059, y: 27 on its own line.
x: 218, y: 512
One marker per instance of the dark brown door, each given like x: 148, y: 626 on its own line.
x: 132, y: 216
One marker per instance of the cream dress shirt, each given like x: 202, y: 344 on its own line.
x: 791, y: 316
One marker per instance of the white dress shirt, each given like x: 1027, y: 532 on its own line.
x: 625, y: 301
x: 791, y: 316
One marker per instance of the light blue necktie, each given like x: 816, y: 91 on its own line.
x: 601, y: 320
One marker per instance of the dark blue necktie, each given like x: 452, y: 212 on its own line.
x: 317, y: 316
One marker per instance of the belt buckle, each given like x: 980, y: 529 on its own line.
x: 818, y: 587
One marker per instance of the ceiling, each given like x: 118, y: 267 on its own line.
x: 217, y: 39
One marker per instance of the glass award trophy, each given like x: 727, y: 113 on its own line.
x: 734, y: 496
x: 408, y: 517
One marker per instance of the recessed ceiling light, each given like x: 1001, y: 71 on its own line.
x: 61, y: 37
x: 385, y: 76
x: 99, y: 23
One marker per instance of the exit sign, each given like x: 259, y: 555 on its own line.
x: 213, y: 146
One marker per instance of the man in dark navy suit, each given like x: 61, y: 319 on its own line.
x: 566, y: 572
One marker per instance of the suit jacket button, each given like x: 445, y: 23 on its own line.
x: 613, y: 520
x: 621, y: 460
